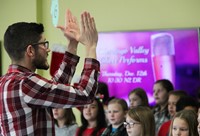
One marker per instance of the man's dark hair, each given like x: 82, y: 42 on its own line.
x: 19, y: 35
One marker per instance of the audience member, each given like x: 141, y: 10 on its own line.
x: 103, y: 95
x: 138, y: 97
x: 184, y: 123
x: 174, y: 96
x: 161, y: 89
x: 93, y: 120
x: 140, y: 122
x: 187, y: 103
x: 102, y: 92
x: 65, y: 122
x: 117, y: 109
x: 105, y: 106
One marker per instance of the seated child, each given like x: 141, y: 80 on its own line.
x: 140, y: 122
x: 117, y: 109
x: 65, y: 122
x: 93, y: 120
x: 184, y: 123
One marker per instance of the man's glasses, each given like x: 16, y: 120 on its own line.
x: 130, y: 124
x: 46, y: 44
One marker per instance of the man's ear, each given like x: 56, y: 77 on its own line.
x: 30, y: 51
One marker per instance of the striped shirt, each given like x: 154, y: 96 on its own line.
x: 26, y: 98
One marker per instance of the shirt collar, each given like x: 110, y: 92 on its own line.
x: 17, y: 68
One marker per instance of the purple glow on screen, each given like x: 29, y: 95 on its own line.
x: 136, y: 59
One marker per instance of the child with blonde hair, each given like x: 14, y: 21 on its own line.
x: 184, y: 123
x: 117, y: 109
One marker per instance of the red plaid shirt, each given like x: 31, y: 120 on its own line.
x: 26, y: 98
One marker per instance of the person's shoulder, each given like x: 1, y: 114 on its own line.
x: 164, y: 129
x: 155, y: 108
x: 73, y: 126
x: 101, y: 130
x: 165, y: 125
x: 77, y: 131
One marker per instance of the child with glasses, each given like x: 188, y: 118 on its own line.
x: 140, y: 122
x: 184, y: 124
x: 117, y: 109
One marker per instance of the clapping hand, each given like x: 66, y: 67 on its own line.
x: 71, y: 29
x: 89, y: 35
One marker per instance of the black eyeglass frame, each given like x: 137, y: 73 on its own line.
x: 46, y: 44
x: 130, y: 124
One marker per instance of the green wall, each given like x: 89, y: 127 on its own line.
x: 110, y: 15
x: 13, y: 11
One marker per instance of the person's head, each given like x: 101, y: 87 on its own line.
x: 140, y: 122
x: 187, y: 103
x: 138, y: 97
x: 65, y: 115
x: 105, y: 106
x: 26, y: 40
x: 117, y: 109
x: 174, y: 96
x: 198, y: 119
x: 161, y: 89
x: 102, y: 90
x: 93, y: 112
x: 184, y: 123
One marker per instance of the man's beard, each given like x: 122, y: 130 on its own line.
x: 40, y: 63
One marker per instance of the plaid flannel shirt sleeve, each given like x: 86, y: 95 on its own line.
x: 58, y: 92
